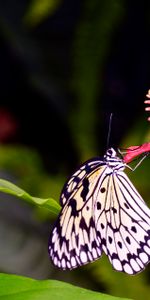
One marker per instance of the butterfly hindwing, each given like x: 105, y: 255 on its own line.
x: 124, y: 225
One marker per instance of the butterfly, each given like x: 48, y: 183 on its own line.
x: 101, y: 212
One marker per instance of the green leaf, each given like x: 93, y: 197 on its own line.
x: 21, y: 288
x: 10, y: 188
x: 38, y: 10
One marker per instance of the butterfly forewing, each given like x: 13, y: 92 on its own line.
x: 77, y: 178
x: 74, y: 239
x: 101, y: 211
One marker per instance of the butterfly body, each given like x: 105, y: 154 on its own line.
x: 101, y: 212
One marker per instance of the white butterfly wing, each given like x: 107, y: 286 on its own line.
x: 123, y: 224
x: 101, y: 211
x: 77, y: 179
x: 74, y: 240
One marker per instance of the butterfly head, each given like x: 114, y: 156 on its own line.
x: 113, y: 160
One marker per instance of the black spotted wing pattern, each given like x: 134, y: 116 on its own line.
x: 74, y: 239
x: 101, y: 212
x: 79, y: 178
x: 123, y: 224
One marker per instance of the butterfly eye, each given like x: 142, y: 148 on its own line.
x: 110, y: 152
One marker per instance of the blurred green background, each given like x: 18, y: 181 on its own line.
x: 64, y: 67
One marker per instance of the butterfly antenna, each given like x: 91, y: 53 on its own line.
x: 109, y: 130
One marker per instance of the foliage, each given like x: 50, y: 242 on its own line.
x: 91, y: 44
x: 26, y: 167
x: 41, y: 54
x: 39, y: 10
x: 12, y: 189
x: 21, y: 288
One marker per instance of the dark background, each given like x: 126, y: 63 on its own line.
x: 63, y: 70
